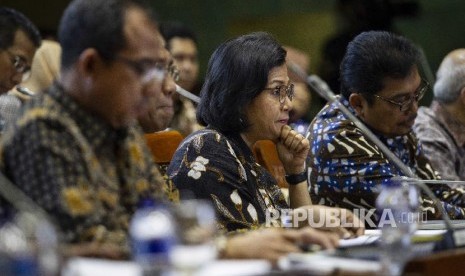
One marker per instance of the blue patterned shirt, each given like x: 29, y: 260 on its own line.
x: 346, y: 168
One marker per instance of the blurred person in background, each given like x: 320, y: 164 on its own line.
x: 298, y: 116
x: 161, y: 106
x: 19, y: 41
x: 358, y: 16
x: 181, y: 41
x: 45, y: 67
x: 441, y: 127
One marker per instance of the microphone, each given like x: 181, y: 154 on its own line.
x: 187, y: 94
x: 452, y: 238
x: 25, y: 91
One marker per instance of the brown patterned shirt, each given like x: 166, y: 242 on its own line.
x: 346, y: 168
x: 88, y: 176
x: 443, y: 140
x: 221, y: 168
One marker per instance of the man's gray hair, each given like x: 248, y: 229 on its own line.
x: 450, y: 79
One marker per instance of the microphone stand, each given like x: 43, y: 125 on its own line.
x: 187, y: 94
x: 45, y: 231
x: 25, y: 91
x: 451, y: 238
x: 432, y: 181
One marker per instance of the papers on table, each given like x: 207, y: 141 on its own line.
x: 101, y: 267
x: 356, y: 255
x: 369, y: 237
x: 319, y: 264
x: 439, y: 224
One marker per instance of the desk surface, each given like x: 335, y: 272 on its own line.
x: 99, y: 267
x: 449, y: 262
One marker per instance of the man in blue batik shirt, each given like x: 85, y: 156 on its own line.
x: 381, y: 85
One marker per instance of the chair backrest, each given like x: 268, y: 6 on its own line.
x: 266, y: 154
x: 163, y: 144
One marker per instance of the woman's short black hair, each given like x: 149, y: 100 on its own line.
x: 373, y: 56
x: 237, y: 73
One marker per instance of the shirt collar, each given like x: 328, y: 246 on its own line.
x: 94, y: 128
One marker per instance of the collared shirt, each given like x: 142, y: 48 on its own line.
x: 88, y: 176
x: 443, y: 140
x: 9, y: 110
x: 346, y: 168
x: 221, y: 168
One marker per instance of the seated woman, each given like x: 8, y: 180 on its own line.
x: 246, y: 97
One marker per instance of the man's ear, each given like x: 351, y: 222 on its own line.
x: 357, y: 102
x: 462, y: 96
x: 87, y: 62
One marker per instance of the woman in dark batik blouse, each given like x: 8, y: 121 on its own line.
x: 246, y: 97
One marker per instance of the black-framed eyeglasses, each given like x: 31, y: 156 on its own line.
x: 407, y: 103
x: 282, y: 91
x: 149, y: 70
x: 20, y: 65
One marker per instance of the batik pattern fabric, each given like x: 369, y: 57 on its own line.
x: 221, y: 168
x: 9, y: 110
x: 184, y: 119
x: 88, y: 176
x: 346, y: 169
x: 442, y: 137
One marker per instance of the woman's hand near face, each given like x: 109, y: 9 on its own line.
x: 292, y: 149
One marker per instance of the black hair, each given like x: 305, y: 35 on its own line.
x: 95, y: 24
x: 237, y: 73
x: 373, y: 56
x: 172, y: 29
x: 12, y: 20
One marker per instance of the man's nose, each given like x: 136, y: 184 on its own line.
x: 169, y: 86
x: 17, y: 78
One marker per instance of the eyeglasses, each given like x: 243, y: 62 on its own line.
x: 151, y: 71
x: 282, y: 91
x: 173, y: 71
x: 21, y: 66
x: 407, y: 103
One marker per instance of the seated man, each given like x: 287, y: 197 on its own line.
x: 19, y: 40
x: 181, y: 41
x: 441, y: 127
x: 381, y: 86
x: 76, y: 150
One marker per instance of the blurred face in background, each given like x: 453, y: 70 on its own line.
x: 161, y: 109
x: 185, y: 56
x: 301, y: 102
x: 122, y: 89
x: 15, y: 61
